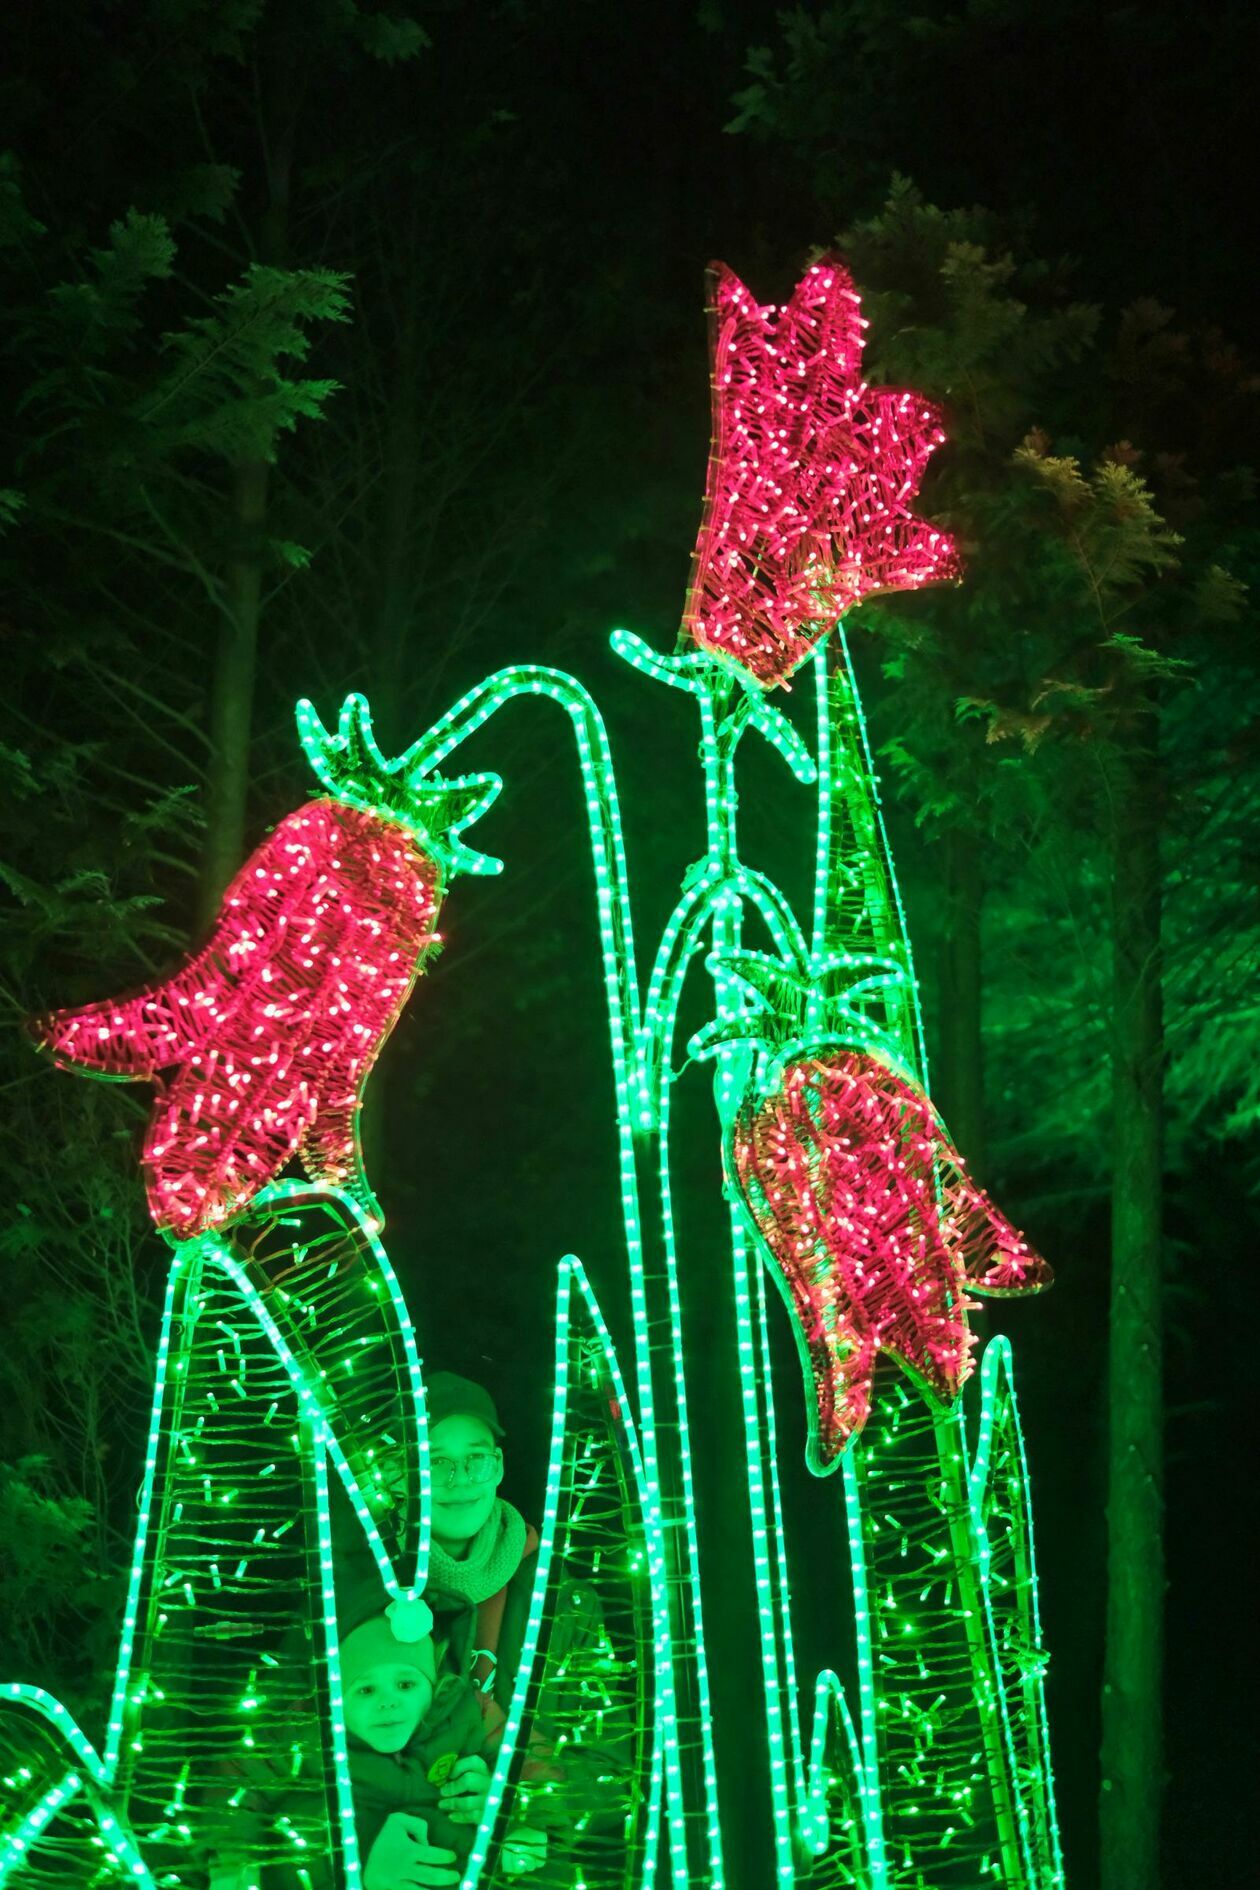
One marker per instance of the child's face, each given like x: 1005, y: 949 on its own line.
x: 386, y: 1704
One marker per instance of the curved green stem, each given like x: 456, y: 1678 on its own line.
x: 690, y: 1775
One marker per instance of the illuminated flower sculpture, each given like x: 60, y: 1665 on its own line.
x: 287, y: 1351
x: 260, y: 1045
x: 810, y: 481
x: 874, y: 1230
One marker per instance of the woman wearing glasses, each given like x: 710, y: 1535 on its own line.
x: 484, y: 1553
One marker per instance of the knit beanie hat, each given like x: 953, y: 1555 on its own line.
x: 375, y: 1644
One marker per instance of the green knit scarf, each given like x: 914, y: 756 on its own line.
x: 493, y: 1557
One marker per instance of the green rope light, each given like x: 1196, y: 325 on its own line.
x: 288, y: 1375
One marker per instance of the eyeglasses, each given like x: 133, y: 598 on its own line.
x: 478, y: 1467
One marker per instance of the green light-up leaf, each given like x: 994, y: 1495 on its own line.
x: 351, y: 766
x: 586, y: 1691
x: 59, y: 1823
x: 778, y: 731
x: 1001, y: 1506
x: 833, y: 1817
x: 327, y: 1284
x: 691, y: 670
x: 793, y: 1010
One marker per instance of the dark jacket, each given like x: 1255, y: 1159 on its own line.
x: 409, y: 1781
x: 475, y: 1649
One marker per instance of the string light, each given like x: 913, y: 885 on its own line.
x: 874, y: 1231
x: 810, y: 477
x: 287, y: 1358
x: 272, y: 1028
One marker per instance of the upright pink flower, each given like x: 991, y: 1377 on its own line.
x: 811, y: 477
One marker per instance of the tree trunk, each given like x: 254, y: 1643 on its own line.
x: 960, y: 1089
x: 232, y: 702
x: 1132, y: 1754
x: 236, y: 653
x: 389, y: 684
x: 392, y: 640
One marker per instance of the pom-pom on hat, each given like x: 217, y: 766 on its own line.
x: 376, y: 1645
x: 449, y: 1395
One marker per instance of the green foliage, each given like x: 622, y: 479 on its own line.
x: 17, y: 225
x: 226, y: 391
x: 48, y: 1571
x: 389, y: 37
x: 959, y: 313
x: 94, y: 313
x: 1104, y: 584
x: 81, y: 900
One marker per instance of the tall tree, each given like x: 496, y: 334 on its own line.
x: 1134, y: 600
x: 993, y: 336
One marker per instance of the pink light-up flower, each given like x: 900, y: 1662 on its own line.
x: 260, y: 1045
x: 811, y: 477
x: 875, y: 1232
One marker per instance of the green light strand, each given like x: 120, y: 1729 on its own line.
x: 576, y: 1307
x: 1001, y: 1507
x: 88, y: 1776
x: 689, y: 1800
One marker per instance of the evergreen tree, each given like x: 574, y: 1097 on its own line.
x: 993, y: 337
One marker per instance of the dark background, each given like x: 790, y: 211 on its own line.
x: 545, y: 183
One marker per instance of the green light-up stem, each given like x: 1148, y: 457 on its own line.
x: 695, y: 1855
x: 85, y: 1774
x: 706, y: 911
x: 711, y: 907
x: 719, y: 746
x: 716, y: 891
x: 471, y: 713
x: 794, y: 1790
x: 857, y: 907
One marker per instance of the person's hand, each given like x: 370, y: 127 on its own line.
x: 523, y: 1850
x: 462, y: 1794
x: 403, y: 1859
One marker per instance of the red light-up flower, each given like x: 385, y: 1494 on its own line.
x: 874, y: 1230
x: 811, y: 477
x: 261, y: 1044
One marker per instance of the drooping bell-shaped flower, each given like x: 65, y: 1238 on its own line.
x: 874, y: 1229
x: 260, y: 1045
x: 861, y: 1205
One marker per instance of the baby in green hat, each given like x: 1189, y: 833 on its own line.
x: 419, y: 1755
